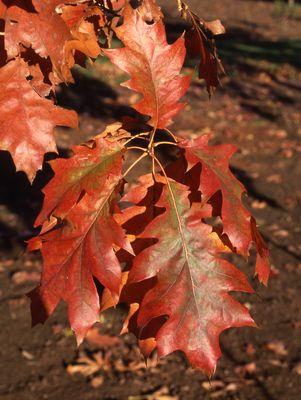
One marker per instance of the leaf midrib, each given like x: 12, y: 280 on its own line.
x: 83, y: 236
x: 185, y: 246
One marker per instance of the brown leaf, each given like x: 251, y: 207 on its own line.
x: 150, y: 11
x: 216, y: 27
x: 97, y: 382
x: 200, y: 42
x: 95, y: 338
x: 23, y: 277
x: 297, y: 368
x: 277, y: 347
x: 213, y: 385
x: 84, y: 366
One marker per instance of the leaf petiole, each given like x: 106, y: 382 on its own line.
x: 145, y: 154
x: 172, y: 135
x: 139, y: 136
x: 137, y: 148
x: 161, y: 143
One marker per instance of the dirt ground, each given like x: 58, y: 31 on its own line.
x: 258, y: 109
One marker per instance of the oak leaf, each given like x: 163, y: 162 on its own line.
x: 73, y: 15
x: 2, y: 10
x: 44, y: 31
x: 37, y: 81
x: 27, y: 119
x: 84, y: 38
x: 82, y: 196
x: 200, y: 43
x: 217, y: 176
x: 193, y: 281
x: 87, y: 171
x: 114, y: 5
x: 153, y: 65
x: 150, y: 11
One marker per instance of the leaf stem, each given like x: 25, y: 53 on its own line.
x: 181, y: 231
x: 152, y: 138
x: 172, y: 135
x: 160, y: 143
x: 137, y: 148
x: 145, y: 154
x: 175, y: 207
x: 151, y: 149
x: 140, y: 135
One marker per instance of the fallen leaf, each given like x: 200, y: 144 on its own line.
x: 277, y: 347
x: 97, y: 382
x: 22, y: 277
x: 297, y: 368
x: 213, y: 385
x: 95, y: 338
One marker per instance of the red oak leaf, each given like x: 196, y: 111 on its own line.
x: 37, y: 81
x: 113, y: 4
x: 217, y: 176
x: 82, y: 247
x: 73, y: 15
x: 44, y: 31
x: 153, y: 65
x: 87, y: 171
x: 2, y: 10
x: 116, y: 4
x: 150, y: 11
x: 200, y: 42
x: 84, y: 38
x: 139, y: 209
x: 193, y: 281
x: 27, y: 120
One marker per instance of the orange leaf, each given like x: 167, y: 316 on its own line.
x: 153, y: 65
x: 27, y: 119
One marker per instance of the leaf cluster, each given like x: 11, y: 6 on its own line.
x: 160, y: 243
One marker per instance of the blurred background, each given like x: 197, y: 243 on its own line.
x: 258, y: 108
